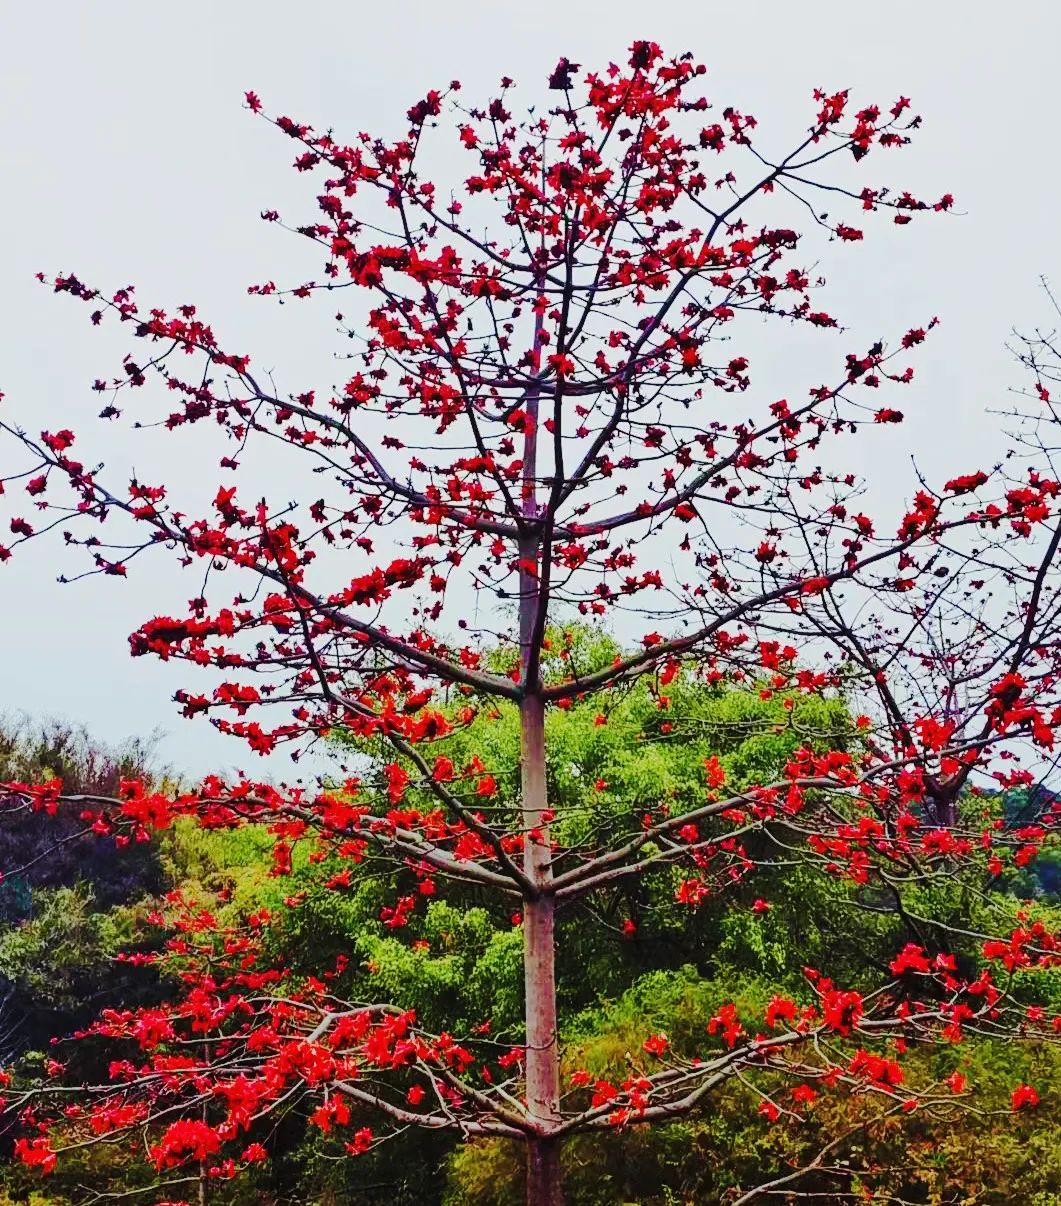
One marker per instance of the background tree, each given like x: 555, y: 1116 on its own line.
x: 509, y: 390
x: 459, y: 959
x: 63, y: 900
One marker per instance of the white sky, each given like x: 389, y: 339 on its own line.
x: 128, y: 158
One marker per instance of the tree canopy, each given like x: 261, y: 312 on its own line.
x: 551, y: 416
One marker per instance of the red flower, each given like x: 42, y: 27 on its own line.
x: 725, y: 1023
x: 714, y: 771
x: 780, y: 1010
x: 876, y: 1068
x: 963, y: 485
x: 656, y: 1044
x: 360, y: 1143
x: 911, y: 958
x: 36, y: 1153
x: 814, y: 586
x: 58, y: 441
x: 841, y: 1010
x: 188, y: 1138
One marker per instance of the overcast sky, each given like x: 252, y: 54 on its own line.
x: 128, y: 157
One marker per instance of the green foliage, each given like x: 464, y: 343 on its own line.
x: 458, y: 963
x: 605, y: 770
x: 984, y: 1156
x: 46, y: 954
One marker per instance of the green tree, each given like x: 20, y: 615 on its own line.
x: 460, y: 960
x: 634, y: 960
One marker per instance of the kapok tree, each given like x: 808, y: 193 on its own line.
x: 548, y: 414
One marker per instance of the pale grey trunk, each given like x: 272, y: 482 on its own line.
x: 539, y: 911
x: 539, y: 970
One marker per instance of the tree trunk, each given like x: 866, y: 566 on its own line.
x: 544, y: 1186
x: 539, y: 910
x: 539, y: 968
